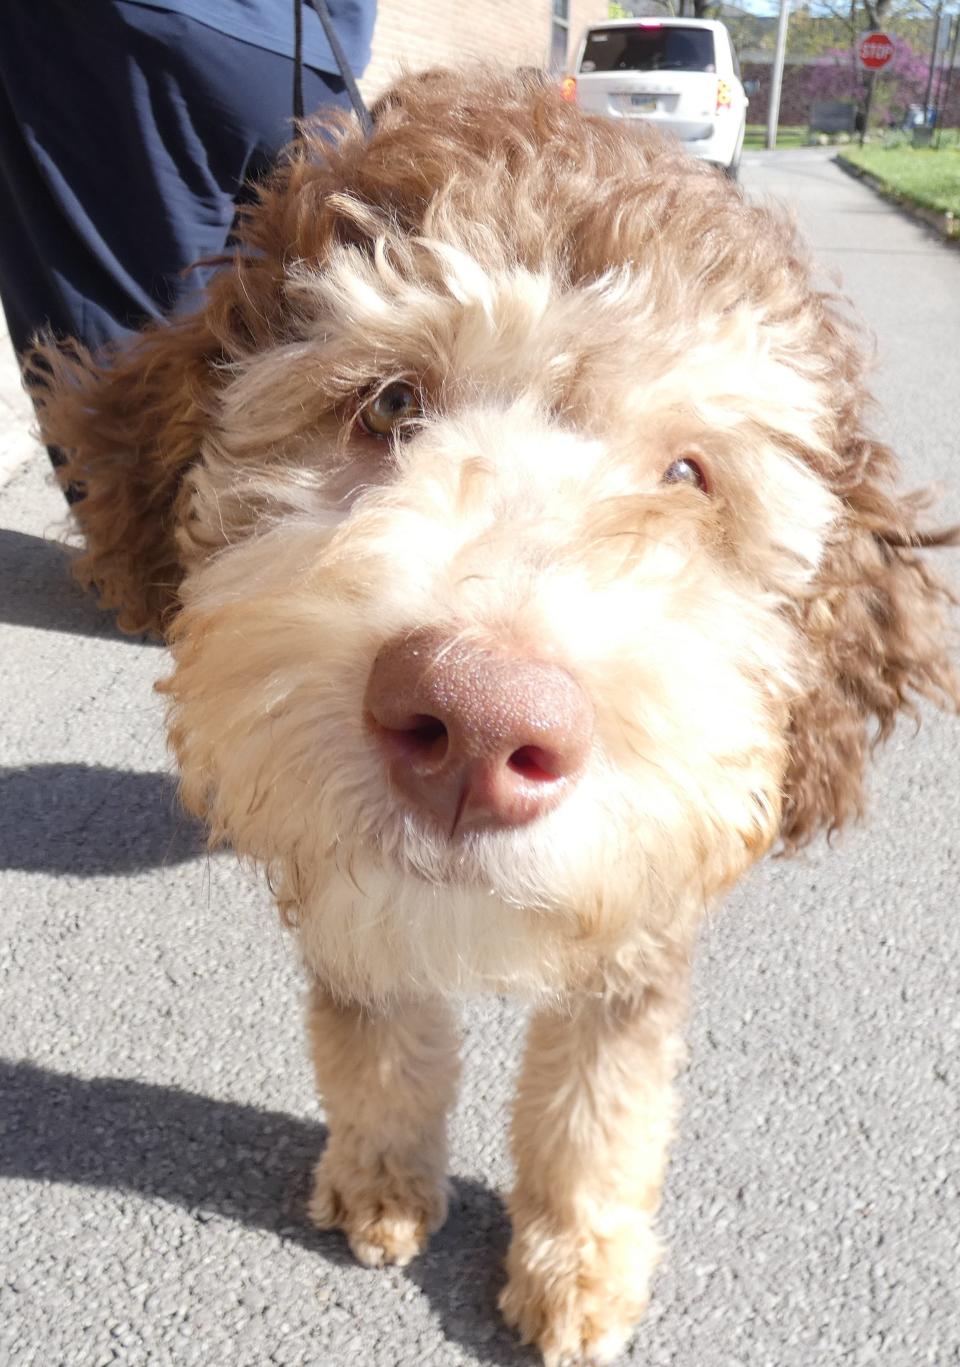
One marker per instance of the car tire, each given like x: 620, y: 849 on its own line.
x: 733, y: 170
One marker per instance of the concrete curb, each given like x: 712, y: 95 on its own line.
x: 946, y: 225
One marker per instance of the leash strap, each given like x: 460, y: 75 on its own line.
x: 356, y: 99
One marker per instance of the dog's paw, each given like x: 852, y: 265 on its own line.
x: 387, y: 1216
x: 578, y: 1294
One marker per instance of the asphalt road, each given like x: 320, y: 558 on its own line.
x: 157, y: 1122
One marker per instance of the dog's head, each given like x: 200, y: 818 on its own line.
x: 537, y: 569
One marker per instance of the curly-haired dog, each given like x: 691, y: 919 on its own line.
x: 529, y: 571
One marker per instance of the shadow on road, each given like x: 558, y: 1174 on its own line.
x: 85, y: 820
x: 36, y: 590
x: 218, y: 1159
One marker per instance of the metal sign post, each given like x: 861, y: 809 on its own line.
x: 868, y: 106
x: 874, y: 52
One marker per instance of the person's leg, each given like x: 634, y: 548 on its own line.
x: 125, y: 136
x: 221, y: 112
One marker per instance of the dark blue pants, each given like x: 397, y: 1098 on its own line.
x: 126, y: 134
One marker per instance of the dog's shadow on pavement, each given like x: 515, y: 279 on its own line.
x: 37, y: 590
x: 223, y: 1160
x: 87, y: 820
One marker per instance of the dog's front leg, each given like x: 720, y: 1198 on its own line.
x: 388, y: 1080
x: 593, y: 1119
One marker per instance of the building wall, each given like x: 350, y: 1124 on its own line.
x: 582, y: 13
x: 422, y: 33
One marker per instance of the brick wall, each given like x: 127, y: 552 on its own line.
x: 421, y: 33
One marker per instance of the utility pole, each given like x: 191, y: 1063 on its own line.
x: 933, y: 63
x: 773, y: 114
x: 943, y: 88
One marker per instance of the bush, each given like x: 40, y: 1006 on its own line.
x: 901, y: 83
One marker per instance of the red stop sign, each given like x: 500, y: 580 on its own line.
x: 876, y: 49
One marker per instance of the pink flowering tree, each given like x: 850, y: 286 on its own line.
x: 838, y: 76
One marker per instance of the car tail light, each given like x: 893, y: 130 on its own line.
x: 568, y: 89
x: 724, y: 96
x: 649, y: 23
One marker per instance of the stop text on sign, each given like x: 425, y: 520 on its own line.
x: 875, y: 51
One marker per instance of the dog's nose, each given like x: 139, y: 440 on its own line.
x: 475, y: 739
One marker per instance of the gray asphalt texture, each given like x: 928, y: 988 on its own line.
x: 157, y: 1122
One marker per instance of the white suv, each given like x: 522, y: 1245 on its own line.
x: 680, y: 74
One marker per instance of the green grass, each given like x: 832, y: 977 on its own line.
x: 922, y: 176
x: 787, y: 136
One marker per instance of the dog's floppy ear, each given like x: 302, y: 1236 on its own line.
x: 130, y: 422
x: 127, y: 426
x: 876, y: 636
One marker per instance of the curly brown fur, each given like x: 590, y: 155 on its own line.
x: 132, y: 424
x: 579, y: 313
x: 875, y: 623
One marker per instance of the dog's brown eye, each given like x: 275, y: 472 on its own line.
x: 390, y: 409
x: 686, y: 471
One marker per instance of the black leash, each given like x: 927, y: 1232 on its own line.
x: 356, y: 99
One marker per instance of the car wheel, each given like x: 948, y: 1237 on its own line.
x: 733, y: 170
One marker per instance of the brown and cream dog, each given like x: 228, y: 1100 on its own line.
x: 529, y: 570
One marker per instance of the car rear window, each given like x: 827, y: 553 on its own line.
x: 649, y: 48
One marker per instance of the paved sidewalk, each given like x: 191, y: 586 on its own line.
x: 17, y: 443
x: 157, y: 1121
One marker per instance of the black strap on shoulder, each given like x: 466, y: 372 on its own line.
x: 356, y: 99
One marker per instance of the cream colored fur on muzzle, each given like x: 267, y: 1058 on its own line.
x: 499, y: 522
